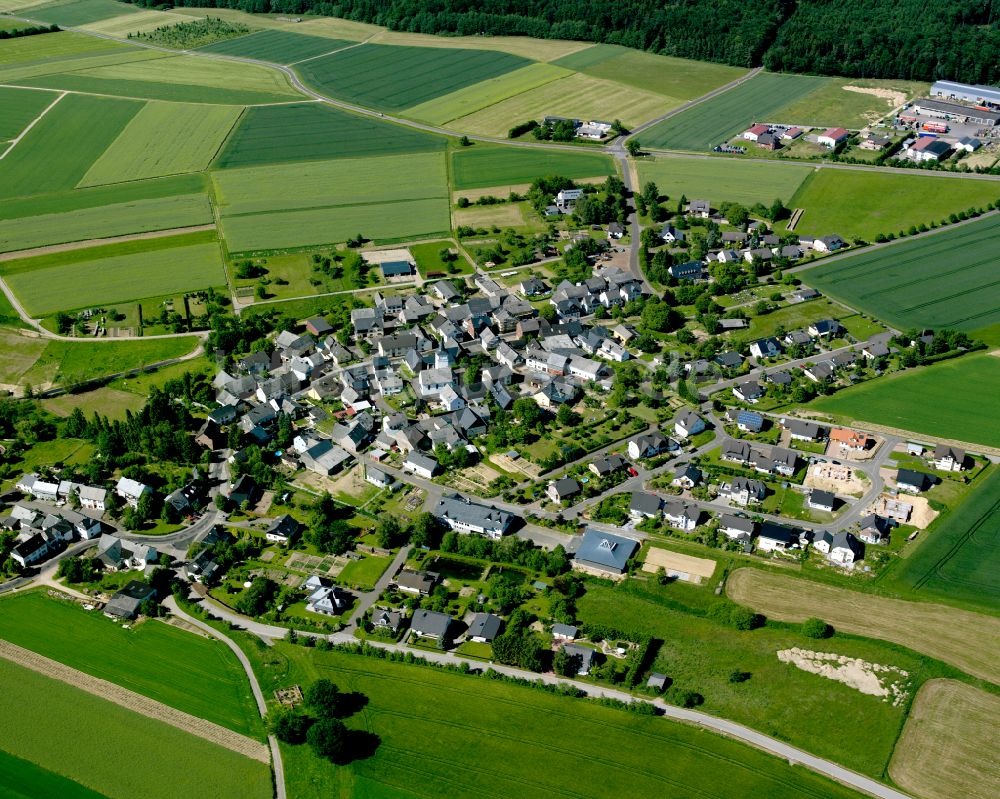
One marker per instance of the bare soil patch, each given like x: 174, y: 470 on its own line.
x: 676, y: 564
x: 873, y: 679
x: 838, y: 479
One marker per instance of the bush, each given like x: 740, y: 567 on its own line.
x: 816, y: 628
x: 736, y: 616
x: 682, y: 697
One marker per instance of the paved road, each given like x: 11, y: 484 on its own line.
x: 367, y: 599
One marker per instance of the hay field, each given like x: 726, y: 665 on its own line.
x: 277, y: 46
x: 483, y: 166
x: 55, y: 46
x: 968, y: 641
x: 723, y: 179
x: 524, y: 46
x: 140, y: 22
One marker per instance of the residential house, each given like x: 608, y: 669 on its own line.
x: 968, y: 144
x: 851, y: 440
x: 912, y: 481
x: 282, y: 530
x: 421, y: 465
x: 688, y: 423
x: 244, y: 491
x: 748, y: 391
x: 484, y: 628
x: 465, y: 516
x: 430, y: 624
x: 736, y: 527
x: 845, y: 549
x: 125, y: 604
x: 648, y: 445
x: 754, y: 132
x: 607, y: 465
x: 826, y: 328
x: 681, y: 515
x: 832, y: 138
x: 766, y: 348
x: 829, y: 243
x: 604, y: 554
x: 397, y: 270
x: 743, y: 491
x: 699, y: 208
x: 390, y: 620
x: 330, y: 600
x: 117, y: 554
x: 801, y: 430
x: 131, y: 491
x: 378, y: 478
x: 672, y: 235
x: 749, y: 422
x: 686, y: 476
x: 874, y: 350
x: 822, y: 500
x: 582, y: 655
x: 414, y: 582
x: 948, y: 459
x: 774, y: 537
x: 644, y: 506
x: 562, y: 489
x: 735, y: 451
x: 874, y: 529
x: 33, y: 549
x: 692, y: 270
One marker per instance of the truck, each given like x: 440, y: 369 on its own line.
x: 935, y: 127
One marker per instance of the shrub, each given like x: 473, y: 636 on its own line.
x: 816, y: 628
x: 683, y: 697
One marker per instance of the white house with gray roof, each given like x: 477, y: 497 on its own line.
x: 465, y: 516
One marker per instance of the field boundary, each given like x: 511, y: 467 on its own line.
x: 137, y: 703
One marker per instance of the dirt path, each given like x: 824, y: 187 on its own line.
x: 80, y: 245
x: 137, y: 703
x: 16, y: 140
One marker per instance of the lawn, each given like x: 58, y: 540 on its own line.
x: 723, y: 179
x: 72, y: 13
x: 832, y: 105
x: 115, y: 219
x: 155, y: 659
x: 364, y: 573
x: 394, y: 78
x: 20, y: 106
x: 792, y: 317
x: 280, y: 134
x: 717, y: 120
x: 90, y: 277
x: 110, y: 402
x: 864, y: 204
x: 277, y: 46
x: 428, y: 258
x: 22, y: 779
x: 60, y: 149
x: 580, y: 96
x: 483, y: 166
x: 93, y: 734
x: 945, y: 280
x: 968, y: 641
x: 164, y: 139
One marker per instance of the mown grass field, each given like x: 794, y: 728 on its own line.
x: 20, y: 106
x: 717, y: 120
x: 968, y: 641
x: 394, y: 78
x: 864, y: 204
x: 59, y: 150
x: 164, y: 139
x: 53, y: 46
x: 444, y: 733
x: 71, y: 13
x: 428, y: 258
x: 472, y: 98
x: 718, y: 179
x: 482, y: 166
x: 22, y: 779
x: 580, y: 96
x: 155, y: 659
x: 97, y: 277
x: 944, y: 280
x: 24, y: 70
x: 133, y: 22
x: 103, y: 221
x: 831, y: 105
x: 311, y: 132
x: 943, y: 751
x: 95, y: 736
x: 277, y: 46
x: 524, y: 46
x: 960, y: 557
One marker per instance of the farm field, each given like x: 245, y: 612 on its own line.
x: 72, y: 13
x: 718, y: 179
x: 20, y: 106
x: 968, y: 641
x: 22, y: 779
x: 53, y: 46
x: 580, y: 96
x: 483, y: 167
x: 93, y: 732
x: 944, y: 280
x: 312, y: 132
x: 717, y: 120
x: 394, y: 78
x: 164, y: 139
x: 430, y: 722
x: 104, y: 221
x: 277, y: 46
x: 864, y: 204
x: 941, y: 750
x: 132, y: 22
x: 524, y: 46
x: 673, y: 77
x: 833, y: 105
x: 154, y: 659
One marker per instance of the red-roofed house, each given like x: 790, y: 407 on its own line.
x: 756, y: 132
x: 791, y: 133
x: 832, y: 137
x: 927, y: 148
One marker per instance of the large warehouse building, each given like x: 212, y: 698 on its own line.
x: 969, y: 93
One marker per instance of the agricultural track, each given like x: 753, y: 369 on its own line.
x: 137, y: 703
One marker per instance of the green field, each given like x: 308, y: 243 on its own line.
x: 164, y: 139
x: 155, y: 659
x: 947, y: 279
x: 949, y: 400
x: 864, y: 204
x: 114, y: 751
x: 280, y: 134
x: 20, y: 106
x: 54, y: 46
x: 831, y: 105
x: 277, y: 46
x: 428, y: 258
x: 482, y: 166
x: 73, y: 13
x: 443, y: 734
x: 92, y: 277
x: 723, y: 179
x: 22, y: 779
x: 960, y: 558
x: 59, y: 150
x: 105, y: 221
x: 394, y: 78
x: 717, y: 120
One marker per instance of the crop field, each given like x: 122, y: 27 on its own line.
x: 679, y: 78
x: 55, y: 46
x: 93, y: 734
x: 164, y: 139
x: 141, y: 22
x: 471, y: 99
x: 86, y: 278
x: 944, y: 280
x: 277, y: 46
x: 383, y: 222
x: 833, y: 105
x: 104, y: 221
x: 443, y: 733
x: 968, y: 641
x: 394, y: 78
x: 313, y: 132
x: 72, y: 13
x: 20, y: 106
x: 482, y: 166
x: 723, y: 179
x: 155, y: 659
x: 60, y: 149
x: 580, y: 96
x: 717, y: 120
x: 864, y: 204
x: 944, y: 749
x: 22, y: 779
x: 524, y: 46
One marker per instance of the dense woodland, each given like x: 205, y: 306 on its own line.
x: 913, y: 39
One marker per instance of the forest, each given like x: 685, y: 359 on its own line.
x: 911, y: 39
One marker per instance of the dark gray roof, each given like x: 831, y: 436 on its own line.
x: 430, y: 623
x: 485, y: 625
